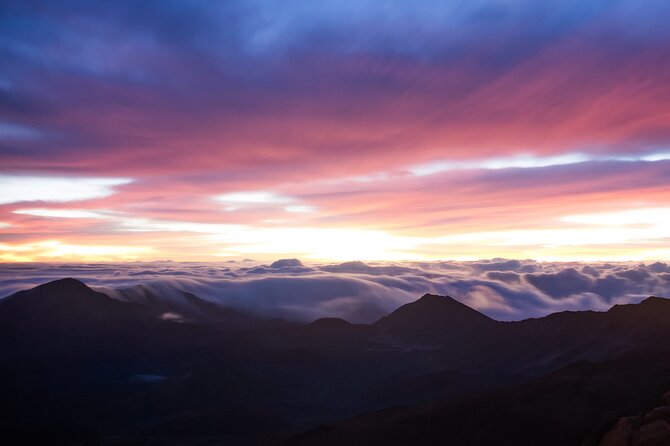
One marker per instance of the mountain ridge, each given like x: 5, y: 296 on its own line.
x: 431, y: 306
x: 68, y: 352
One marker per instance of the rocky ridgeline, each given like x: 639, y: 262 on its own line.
x: 652, y: 429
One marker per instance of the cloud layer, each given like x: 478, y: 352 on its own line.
x: 360, y: 292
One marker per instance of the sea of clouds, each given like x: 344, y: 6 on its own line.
x: 363, y: 292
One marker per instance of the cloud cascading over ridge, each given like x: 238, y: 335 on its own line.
x: 361, y: 292
x: 376, y: 131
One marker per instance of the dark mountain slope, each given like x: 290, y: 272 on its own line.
x: 68, y: 314
x: 435, y: 319
x: 78, y: 365
x: 573, y: 406
x: 545, y: 344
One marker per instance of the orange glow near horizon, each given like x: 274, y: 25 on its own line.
x: 634, y: 234
x: 452, y: 130
x: 380, y: 217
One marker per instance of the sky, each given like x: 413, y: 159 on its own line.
x: 334, y: 130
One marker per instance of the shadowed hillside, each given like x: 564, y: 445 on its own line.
x: 78, y: 366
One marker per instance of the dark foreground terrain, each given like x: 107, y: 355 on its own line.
x: 77, y: 367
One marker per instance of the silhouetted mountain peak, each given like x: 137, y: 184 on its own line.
x: 434, y: 316
x: 67, y: 284
x: 652, y: 303
x: 65, y: 305
x: 435, y: 299
x: 444, y: 306
x: 62, y: 291
x: 286, y: 263
x: 656, y: 301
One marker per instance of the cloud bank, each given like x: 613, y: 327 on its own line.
x: 363, y: 292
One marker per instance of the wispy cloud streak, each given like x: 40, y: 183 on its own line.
x: 416, y: 124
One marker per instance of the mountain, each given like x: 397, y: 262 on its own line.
x: 576, y: 405
x: 435, y: 319
x: 76, y: 364
x: 286, y: 263
x: 65, y: 298
x: 63, y: 310
x: 601, y: 365
x: 545, y: 344
x: 78, y: 367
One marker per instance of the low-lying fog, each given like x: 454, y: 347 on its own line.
x: 363, y: 292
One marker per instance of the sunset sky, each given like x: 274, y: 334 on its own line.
x: 334, y: 130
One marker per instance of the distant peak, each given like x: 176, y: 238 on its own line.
x: 66, y: 284
x: 355, y: 263
x: 69, y: 292
x: 433, y: 312
x: 655, y: 300
x: 429, y: 296
x: 649, y: 302
x: 434, y: 319
x: 429, y: 302
x: 435, y: 299
x: 286, y: 263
